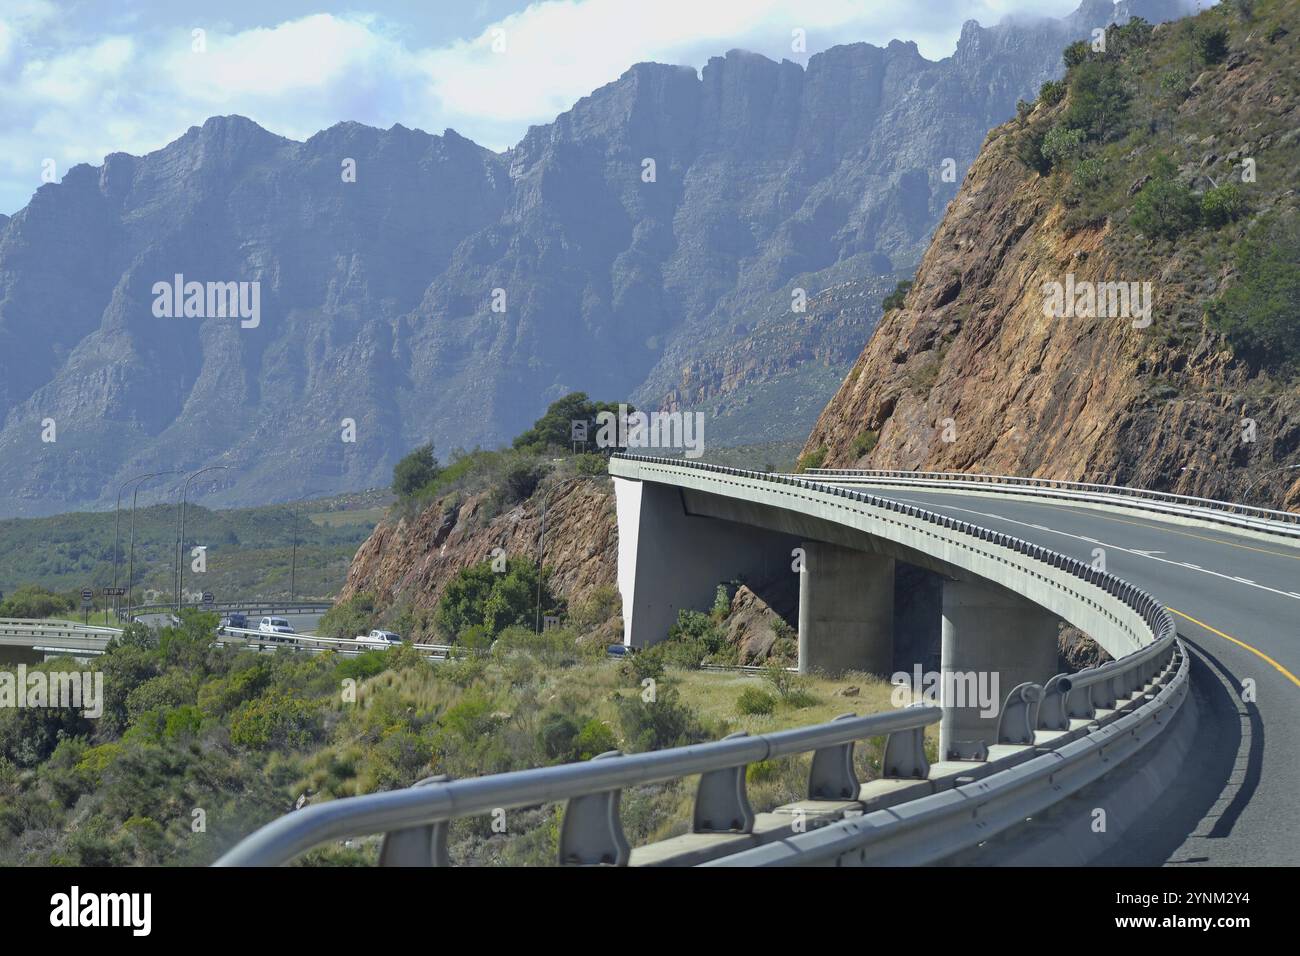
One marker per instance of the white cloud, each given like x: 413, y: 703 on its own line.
x: 77, y: 99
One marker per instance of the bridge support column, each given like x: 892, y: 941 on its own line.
x: 670, y: 560
x: 992, y: 640
x: 846, y: 610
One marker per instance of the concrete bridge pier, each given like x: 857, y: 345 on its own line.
x: 846, y: 610
x: 670, y: 559
x: 992, y: 640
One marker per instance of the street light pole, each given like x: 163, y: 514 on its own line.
x: 1259, y: 478
x: 130, y: 574
x: 117, y: 532
x: 293, y: 561
x: 180, y: 564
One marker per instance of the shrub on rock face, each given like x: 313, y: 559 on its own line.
x: 1258, y: 312
x: 1221, y: 205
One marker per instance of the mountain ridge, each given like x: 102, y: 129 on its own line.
x: 377, y: 295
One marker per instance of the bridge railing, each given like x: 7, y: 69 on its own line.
x: 415, y: 820
x: 1212, y: 509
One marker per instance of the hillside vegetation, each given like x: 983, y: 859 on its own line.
x: 199, y: 745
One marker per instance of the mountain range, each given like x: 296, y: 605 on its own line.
x: 648, y: 244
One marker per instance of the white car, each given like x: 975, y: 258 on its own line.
x: 378, y: 638
x: 274, y: 625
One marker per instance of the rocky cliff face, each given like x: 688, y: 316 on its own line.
x: 410, y: 561
x: 449, y: 293
x: 972, y: 375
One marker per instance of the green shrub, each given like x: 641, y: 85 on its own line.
x: 1099, y: 100
x: 592, y: 465
x: 812, y: 459
x: 1258, y: 312
x: 1062, y: 144
x: 34, y: 601
x: 753, y: 700
x: 646, y: 665
x: 364, y: 665
x: 415, y: 471
x: 481, y: 597
x: 557, y: 735
x: 863, y: 444
x: 349, y: 618
x: 1028, y: 148
x: 1164, y: 207
x: 276, y: 721
x: 594, y: 739
x: 1221, y: 205
x: 554, y: 429
x: 1076, y: 53
x: 896, y: 298
x: 1052, y: 92
x: 659, y: 723
x: 1212, y: 45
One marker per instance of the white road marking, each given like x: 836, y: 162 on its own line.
x: 1150, y: 555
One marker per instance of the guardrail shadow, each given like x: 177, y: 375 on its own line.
x: 1229, y: 732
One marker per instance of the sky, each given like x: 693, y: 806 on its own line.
x: 83, y: 78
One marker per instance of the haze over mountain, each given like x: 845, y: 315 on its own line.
x: 376, y: 296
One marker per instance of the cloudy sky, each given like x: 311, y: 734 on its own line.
x: 83, y: 78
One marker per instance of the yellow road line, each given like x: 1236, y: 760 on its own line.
x: 1228, y: 637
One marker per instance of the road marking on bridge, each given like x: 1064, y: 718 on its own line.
x: 1228, y: 637
x: 1151, y: 555
x: 1170, y: 530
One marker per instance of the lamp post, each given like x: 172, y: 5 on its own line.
x: 1259, y: 478
x: 180, y: 554
x: 541, y: 544
x: 130, y: 573
x: 117, y: 528
x: 293, y: 561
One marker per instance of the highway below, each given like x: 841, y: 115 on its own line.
x: 1236, y: 600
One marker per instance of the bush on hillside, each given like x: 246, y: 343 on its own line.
x: 415, y: 471
x: 1257, y: 313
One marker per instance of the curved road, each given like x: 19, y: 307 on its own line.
x: 1237, y: 603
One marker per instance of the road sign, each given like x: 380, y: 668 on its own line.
x: 207, y: 597
x: 110, y: 592
x: 87, y: 595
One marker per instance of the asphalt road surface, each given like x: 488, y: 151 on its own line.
x: 1236, y: 601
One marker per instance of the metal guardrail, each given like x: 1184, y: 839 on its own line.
x: 1209, y: 509
x: 262, y: 608
x: 968, y: 814
x: 415, y: 820
x: 316, y: 642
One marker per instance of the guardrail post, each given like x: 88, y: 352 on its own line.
x: 1102, y: 694
x: 832, y: 776
x: 417, y: 846
x: 1119, y: 685
x: 904, y: 755
x: 1020, y: 714
x: 591, y: 832
x: 721, y: 802
x: 1079, y: 705
x: 1053, y: 709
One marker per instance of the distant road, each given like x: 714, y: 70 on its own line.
x: 1237, y: 602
